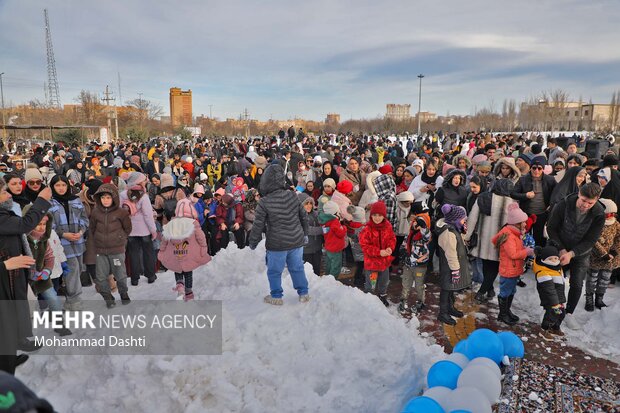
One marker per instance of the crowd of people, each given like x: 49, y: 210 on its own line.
x: 371, y: 208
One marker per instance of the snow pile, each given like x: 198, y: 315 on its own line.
x: 599, y: 333
x: 341, y: 352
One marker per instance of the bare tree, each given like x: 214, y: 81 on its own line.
x: 149, y: 109
x: 90, y: 106
x: 555, y: 104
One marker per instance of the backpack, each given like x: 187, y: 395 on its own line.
x: 170, y: 205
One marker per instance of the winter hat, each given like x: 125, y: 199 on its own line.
x: 203, y: 176
x: 305, y: 199
x: 32, y: 174
x: 605, y: 174
x: 185, y: 209
x: 539, y: 160
x: 23, y: 399
x: 198, y: 189
x: 546, y: 253
x: 344, y: 187
x: 610, y: 160
x: 134, y: 180
x: 168, y: 170
x: 515, y: 214
x: 331, y: 208
x: 411, y: 170
x: 418, y: 162
x: 453, y: 214
x: 378, y: 208
x: 189, y: 159
x: 484, y: 166
x: 405, y: 196
x: 478, y: 158
x: 610, y: 208
x: 260, y: 162
x: 227, y: 199
x: 166, y: 181
x: 329, y: 182
x: 526, y: 158
x: 536, y: 148
x: 220, y: 192
x: 318, y: 159
x: 358, y: 213
x: 92, y: 185
x: 446, y: 168
x: 386, y: 169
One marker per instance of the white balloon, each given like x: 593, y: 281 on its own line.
x: 467, y: 398
x: 485, y: 361
x: 460, y: 359
x: 482, y: 378
x: 439, y: 394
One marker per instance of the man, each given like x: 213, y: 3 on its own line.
x: 574, y: 227
x: 523, y: 163
x: 155, y: 165
x: 533, y: 191
x: 553, y: 150
x: 357, y: 178
x: 280, y: 213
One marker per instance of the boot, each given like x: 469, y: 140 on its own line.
x: 599, y: 302
x: 304, y: 298
x: 419, y: 306
x: 503, y: 313
x: 452, y: 310
x: 125, y: 299
x: 444, y: 308
x: 273, y: 301
x: 521, y: 284
x: 513, y: 317
x: 384, y: 300
x: 179, y: 289
x: 64, y: 331
x: 403, y: 307
x: 491, y: 293
x: 109, y: 300
x: 481, y: 298
x: 189, y: 296
x: 589, y: 302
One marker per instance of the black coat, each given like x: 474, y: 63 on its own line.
x: 150, y: 168
x: 525, y: 185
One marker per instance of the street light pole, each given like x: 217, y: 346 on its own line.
x: 3, y: 115
x: 420, y: 76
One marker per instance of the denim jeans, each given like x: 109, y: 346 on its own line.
x: 51, y: 299
x: 507, y: 286
x: 478, y: 274
x: 293, y: 259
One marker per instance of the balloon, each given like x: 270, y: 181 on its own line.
x: 461, y: 347
x: 485, y: 343
x: 482, y: 378
x: 439, y: 394
x: 513, y: 345
x: 483, y: 361
x: 422, y: 405
x: 443, y: 373
x: 468, y: 399
x: 460, y: 411
x: 458, y: 359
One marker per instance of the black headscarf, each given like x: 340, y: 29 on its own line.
x: 333, y: 174
x: 567, y: 185
x: 62, y: 199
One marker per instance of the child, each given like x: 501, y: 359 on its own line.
x: 353, y: 231
x: 453, y: 261
x: 184, y: 247
x: 110, y: 226
x: 528, y: 241
x: 334, y: 233
x: 550, y: 286
x: 512, y: 256
x: 403, y: 209
x: 605, y: 258
x: 377, y: 240
x: 239, y: 188
x: 312, y: 249
x: 40, y: 281
x: 416, y: 258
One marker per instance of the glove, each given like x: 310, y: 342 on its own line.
x: 530, y: 251
x: 557, y: 309
x: 306, y: 240
x: 42, y: 275
x: 456, y: 276
x: 65, y: 269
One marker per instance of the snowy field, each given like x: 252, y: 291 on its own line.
x: 341, y: 352
x: 600, y: 331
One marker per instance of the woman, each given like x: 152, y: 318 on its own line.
x: 312, y: 191
x: 475, y: 187
x: 15, y: 188
x: 328, y: 172
x: 424, y: 186
x: 506, y: 168
x: 452, y: 190
x: 574, y: 177
x: 399, y: 175
x: 303, y: 175
x: 126, y: 167
x: 153, y: 187
x: 70, y: 223
x: 247, y: 178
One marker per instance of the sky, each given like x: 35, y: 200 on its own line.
x: 282, y: 59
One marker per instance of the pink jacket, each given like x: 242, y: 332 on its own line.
x: 183, y: 246
x: 142, y: 221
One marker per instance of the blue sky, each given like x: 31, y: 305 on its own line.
x: 305, y: 59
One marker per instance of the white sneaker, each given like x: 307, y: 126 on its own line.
x: 304, y: 298
x: 345, y: 271
x: 571, y: 322
x: 273, y: 301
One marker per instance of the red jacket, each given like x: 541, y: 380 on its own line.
x: 512, y: 253
x: 374, y: 238
x: 334, y: 238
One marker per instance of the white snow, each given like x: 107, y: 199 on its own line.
x: 341, y: 352
x: 599, y: 334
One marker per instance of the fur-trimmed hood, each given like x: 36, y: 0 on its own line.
x: 179, y: 229
x: 457, y: 158
x: 447, y: 180
x: 370, y: 181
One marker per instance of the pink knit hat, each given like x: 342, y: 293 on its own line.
x: 185, y: 209
x: 515, y: 214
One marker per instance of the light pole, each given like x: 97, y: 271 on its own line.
x: 3, y: 118
x: 420, y: 76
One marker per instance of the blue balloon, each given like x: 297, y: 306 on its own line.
x: 444, y: 373
x: 460, y: 411
x: 513, y: 345
x: 485, y: 343
x: 423, y: 404
x: 461, y: 347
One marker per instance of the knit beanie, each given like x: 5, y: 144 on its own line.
x: 24, y: 399
x: 418, y: 162
x: 185, y: 209
x: 453, y: 214
x: 610, y: 208
x: 166, y: 181
x: 539, y: 160
x: 220, y: 192
x: 134, y: 180
x: 386, y: 169
x: 344, y: 187
x: 605, y: 174
x: 515, y: 215
x: 610, y: 160
x: 379, y: 208
x: 358, y: 213
x: 203, y: 176
x: 329, y: 182
x: 331, y: 208
x: 405, y: 196
x: 548, y: 252
x: 32, y: 174
x: 411, y: 170
x: 260, y: 162
x: 199, y: 189
x: 92, y: 185
x: 526, y: 158
x: 478, y: 158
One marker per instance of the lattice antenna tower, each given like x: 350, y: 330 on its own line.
x: 52, y: 78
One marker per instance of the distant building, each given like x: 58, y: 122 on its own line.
x: 332, y: 118
x: 567, y: 116
x: 398, y: 112
x: 180, y: 107
x: 427, y: 116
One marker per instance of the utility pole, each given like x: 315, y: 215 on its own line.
x: 140, y: 108
x: 210, y: 112
x: 120, y: 95
x: 247, y: 123
x: 110, y: 112
x: 420, y: 76
x: 3, y: 114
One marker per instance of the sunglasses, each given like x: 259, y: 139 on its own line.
x: 37, y: 182
x: 539, y: 168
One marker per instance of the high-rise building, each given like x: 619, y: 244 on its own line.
x: 180, y: 107
x: 398, y: 112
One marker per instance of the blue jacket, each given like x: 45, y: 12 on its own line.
x: 77, y: 221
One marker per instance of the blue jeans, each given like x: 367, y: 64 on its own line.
x: 293, y: 259
x: 507, y: 286
x: 478, y: 274
x: 51, y: 299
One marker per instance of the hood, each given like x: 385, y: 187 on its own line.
x: 457, y: 158
x: 107, y: 189
x: 503, y: 187
x: 384, y: 186
x: 272, y: 180
x: 506, y: 161
x: 447, y: 180
x: 179, y: 229
x: 370, y: 181
x: 48, y: 226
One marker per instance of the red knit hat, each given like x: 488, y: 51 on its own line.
x: 386, y: 169
x: 378, y: 208
x: 344, y: 187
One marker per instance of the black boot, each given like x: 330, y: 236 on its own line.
x: 481, y: 297
x: 63, y: 331
x: 384, y: 300
x: 589, y: 302
x: 403, y: 307
x: 491, y: 293
x: 513, y: 316
x: 109, y: 300
x: 521, y: 284
x: 444, y: 308
x: 503, y: 313
x: 28, y: 345
x: 598, y: 303
x: 125, y: 298
x: 452, y: 310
